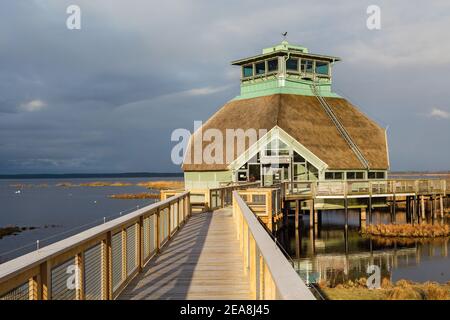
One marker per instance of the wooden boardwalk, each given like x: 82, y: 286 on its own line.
x: 202, y: 261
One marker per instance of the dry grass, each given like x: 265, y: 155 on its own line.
x: 135, y: 196
x: 160, y: 185
x: 21, y: 185
x: 408, y: 230
x: 401, y: 290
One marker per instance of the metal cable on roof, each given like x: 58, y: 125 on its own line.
x: 329, y: 111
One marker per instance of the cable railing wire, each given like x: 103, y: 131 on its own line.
x: 37, y: 244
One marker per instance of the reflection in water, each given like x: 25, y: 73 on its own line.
x: 328, y: 252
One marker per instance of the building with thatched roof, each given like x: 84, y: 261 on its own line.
x: 286, y: 125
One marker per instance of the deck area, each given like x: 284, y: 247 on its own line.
x: 202, y: 261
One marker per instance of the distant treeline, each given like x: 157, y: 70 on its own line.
x: 92, y: 175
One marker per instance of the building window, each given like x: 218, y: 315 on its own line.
x: 277, y: 148
x: 355, y: 175
x: 298, y: 158
x: 307, y: 66
x: 260, y: 68
x: 242, y: 175
x: 322, y: 68
x: 254, y: 172
x: 272, y: 65
x: 376, y: 175
x: 334, y: 176
x: 292, y: 64
x: 247, y: 71
x: 313, y: 172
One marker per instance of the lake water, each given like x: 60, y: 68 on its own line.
x: 328, y: 253
x: 66, y: 210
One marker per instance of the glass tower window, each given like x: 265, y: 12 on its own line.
x: 272, y: 65
x: 260, y: 68
x: 292, y: 64
x: 322, y: 68
x: 247, y: 71
x: 307, y: 66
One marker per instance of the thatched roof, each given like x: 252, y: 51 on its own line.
x: 304, y: 119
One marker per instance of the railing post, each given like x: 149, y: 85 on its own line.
x: 45, y: 284
x: 140, y: 244
x: 178, y: 214
x: 252, y: 267
x: 79, y: 268
x: 107, y: 268
x: 169, y: 220
x: 123, y: 233
x: 33, y: 289
x: 158, y: 244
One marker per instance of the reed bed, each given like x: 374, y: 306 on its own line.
x: 401, y: 290
x: 160, y: 185
x: 408, y: 230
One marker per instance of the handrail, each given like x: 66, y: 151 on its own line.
x: 222, y: 196
x: 122, y: 248
x: 271, y: 275
x: 344, y: 188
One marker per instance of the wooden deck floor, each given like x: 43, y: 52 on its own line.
x: 202, y: 261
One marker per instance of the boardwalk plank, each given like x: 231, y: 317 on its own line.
x: 202, y: 261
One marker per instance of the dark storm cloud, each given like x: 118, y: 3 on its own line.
x: 107, y: 97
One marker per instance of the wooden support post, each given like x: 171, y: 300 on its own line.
x: 414, y: 210
x: 346, y: 212
x: 370, y: 209
x: 297, y: 209
x: 407, y: 209
x: 441, y: 206
x: 363, y: 214
x: 433, y: 207
x: 316, y: 216
x: 422, y: 207
x: 394, y: 212
x: 311, y: 213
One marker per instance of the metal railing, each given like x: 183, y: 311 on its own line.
x: 270, y: 273
x: 98, y: 263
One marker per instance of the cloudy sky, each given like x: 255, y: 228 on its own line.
x: 107, y: 97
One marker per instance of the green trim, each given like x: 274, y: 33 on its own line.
x: 275, y: 86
